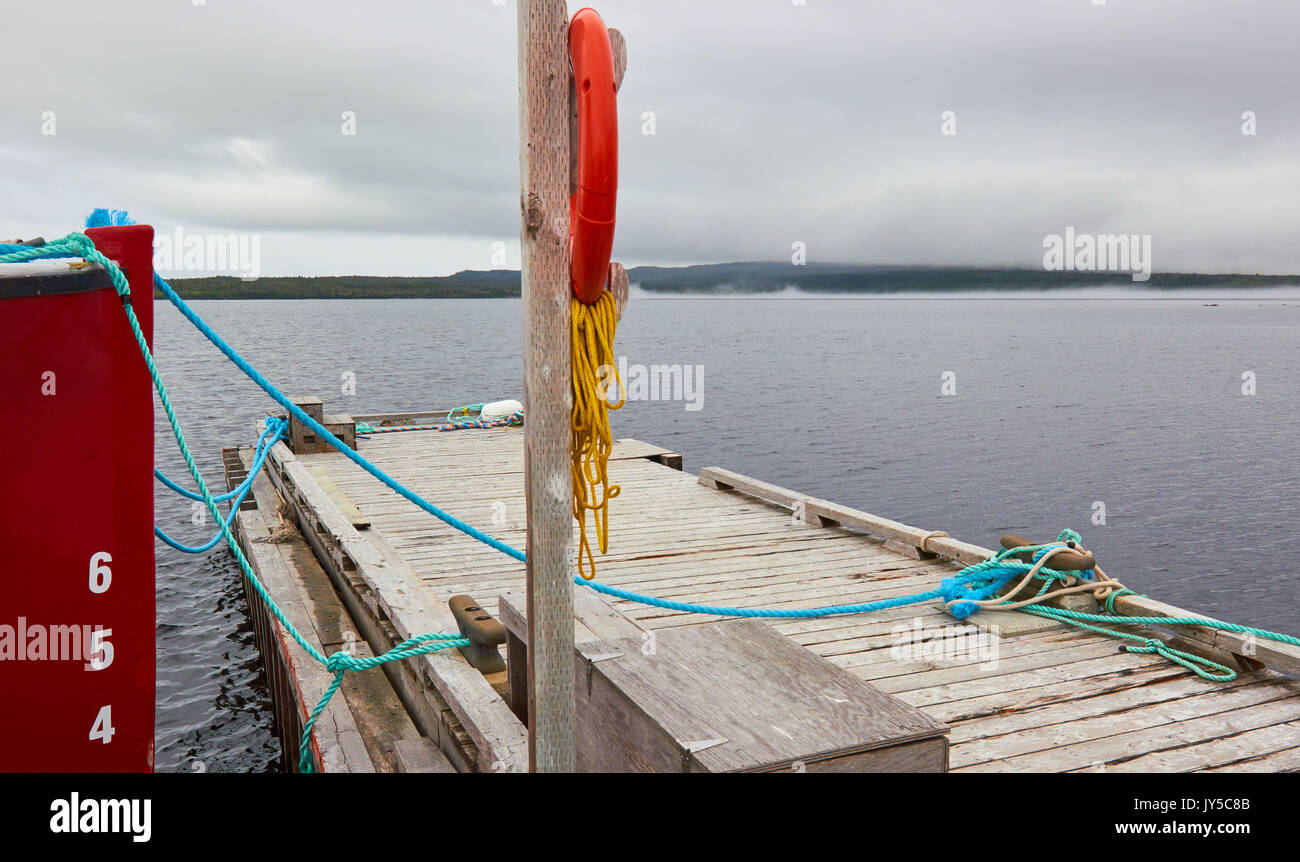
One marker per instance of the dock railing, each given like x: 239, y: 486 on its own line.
x: 1248, y: 651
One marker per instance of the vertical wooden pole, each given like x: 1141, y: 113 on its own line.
x: 548, y: 395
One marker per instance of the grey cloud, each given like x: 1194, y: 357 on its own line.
x: 775, y: 123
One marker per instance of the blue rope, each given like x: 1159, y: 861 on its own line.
x: 259, y: 456
x: 9, y: 248
x: 979, y: 581
x: 951, y: 587
x: 451, y: 520
x: 762, y: 613
x: 263, y: 449
x: 102, y: 217
x: 339, y: 662
x: 324, y: 433
x: 465, y: 528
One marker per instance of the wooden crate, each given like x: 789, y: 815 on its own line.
x: 739, y: 697
x: 303, y: 441
x: 732, y: 696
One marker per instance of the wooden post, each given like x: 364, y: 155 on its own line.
x: 301, y: 438
x: 548, y: 396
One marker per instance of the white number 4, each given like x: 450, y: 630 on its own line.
x: 103, y: 726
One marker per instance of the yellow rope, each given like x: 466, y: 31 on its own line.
x: 593, y: 366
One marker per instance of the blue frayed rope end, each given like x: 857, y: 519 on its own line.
x: 108, y: 218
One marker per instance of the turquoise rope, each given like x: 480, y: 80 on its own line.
x: 465, y: 411
x: 321, y: 431
x: 1203, y: 622
x: 339, y: 662
x: 996, y: 566
x: 263, y: 449
x: 761, y: 613
x: 238, y: 491
x: 516, y: 418
x: 453, y: 521
x: 999, y: 567
x: 1199, y: 665
x: 978, y: 581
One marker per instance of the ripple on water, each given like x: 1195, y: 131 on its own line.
x: 1144, y: 414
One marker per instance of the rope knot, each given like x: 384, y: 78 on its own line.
x: 339, y: 662
x: 1149, y: 645
x: 84, y: 247
x: 1067, y: 535
x: 79, y: 243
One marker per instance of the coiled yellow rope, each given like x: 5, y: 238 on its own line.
x: 593, y: 366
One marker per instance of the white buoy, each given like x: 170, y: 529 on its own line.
x: 499, y: 410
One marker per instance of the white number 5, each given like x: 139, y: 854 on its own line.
x: 101, y: 651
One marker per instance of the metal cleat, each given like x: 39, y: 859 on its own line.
x: 484, y: 632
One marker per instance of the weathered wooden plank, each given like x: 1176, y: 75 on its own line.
x: 884, y: 659
x: 412, y: 417
x: 718, y: 562
x: 678, y: 540
x: 593, y: 620
x: 339, y: 745
x: 420, y: 754
x: 593, y: 617
x: 1217, y: 753
x: 1112, y: 750
x: 425, y: 706
x: 1085, y: 728
x: 1025, y: 681
x: 1004, y: 667
x: 786, y: 588
x: 1274, y: 654
x: 1287, y: 760
x: 1094, y: 700
x: 732, y: 696
x: 987, y: 706
x: 375, y: 705
x: 345, y: 505
x: 497, y: 734
x: 825, y: 513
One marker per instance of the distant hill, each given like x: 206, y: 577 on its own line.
x: 468, y: 284
x: 751, y: 277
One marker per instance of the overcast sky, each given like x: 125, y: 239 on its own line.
x: 774, y: 123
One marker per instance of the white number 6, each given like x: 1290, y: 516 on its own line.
x: 100, y: 575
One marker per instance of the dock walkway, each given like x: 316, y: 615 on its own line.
x: 1038, y: 697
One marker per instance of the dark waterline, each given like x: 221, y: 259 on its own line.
x: 1060, y: 402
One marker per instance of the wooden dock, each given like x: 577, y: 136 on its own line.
x: 366, y: 567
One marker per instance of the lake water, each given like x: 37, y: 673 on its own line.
x: 1059, y: 405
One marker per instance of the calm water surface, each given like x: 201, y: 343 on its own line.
x: 1059, y: 404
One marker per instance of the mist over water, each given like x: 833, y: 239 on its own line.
x: 1284, y: 293
x: 1061, y: 401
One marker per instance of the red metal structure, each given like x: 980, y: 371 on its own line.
x: 592, y: 207
x: 76, y: 515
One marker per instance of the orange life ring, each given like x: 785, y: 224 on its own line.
x: 591, y: 208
